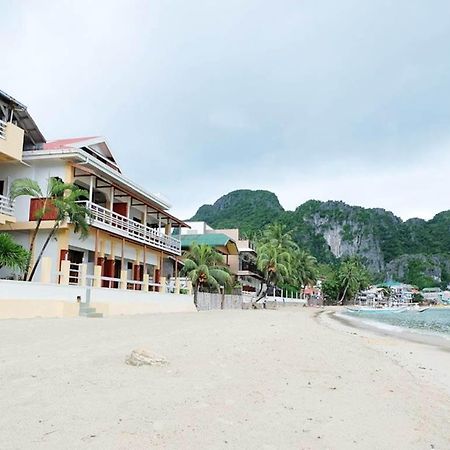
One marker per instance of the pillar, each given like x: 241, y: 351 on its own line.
x: 162, y: 287
x: 46, y: 269
x: 189, y: 287
x: 168, y: 229
x: 123, y: 279
x: 82, y: 275
x: 177, y: 285
x: 145, y: 281
x: 65, y: 271
x: 98, y: 276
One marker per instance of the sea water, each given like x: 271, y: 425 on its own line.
x: 435, y: 320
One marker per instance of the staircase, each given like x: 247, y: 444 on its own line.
x: 87, y: 311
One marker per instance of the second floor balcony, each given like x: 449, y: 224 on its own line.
x: 11, y: 142
x: 6, y: 209
x: 118, y: 224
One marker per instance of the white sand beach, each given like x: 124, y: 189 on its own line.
x: 282, y: 379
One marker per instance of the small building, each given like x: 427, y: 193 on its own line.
x: 239, y: 254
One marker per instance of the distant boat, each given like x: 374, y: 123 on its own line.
x: 417, y: 308
x: 370, y: 309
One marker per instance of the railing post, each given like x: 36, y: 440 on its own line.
x: 123, y: 279
x: 97, y: 276
x: 82, y: 275
x: 189, y: 287
x: 145, y: 280
x: 162, y: 287
x: 177, y: 285
x: 65, y: 272
x: 46, y: 269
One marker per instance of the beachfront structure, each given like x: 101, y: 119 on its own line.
x: 130, y: 228
x: 400, y: 292
x: 239, y: 254
x: 436, y: 295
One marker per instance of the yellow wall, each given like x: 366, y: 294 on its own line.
x: 24, y: 309
x: 11, y: 147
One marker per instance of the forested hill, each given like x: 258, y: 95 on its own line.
x: 333, y: 229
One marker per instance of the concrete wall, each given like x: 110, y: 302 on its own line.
x: 19, y: 299
x: 116, y: 302
x: 207, y: 301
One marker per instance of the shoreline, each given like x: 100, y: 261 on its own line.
x: 431, y: 338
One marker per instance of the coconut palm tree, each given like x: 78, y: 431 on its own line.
x: 305, y: 270
x: 352, y: 277
x: 277, y: 235
x: 12, y: 255
x: 275, y: 263
x: 61, y: 198
x: 205, y: 267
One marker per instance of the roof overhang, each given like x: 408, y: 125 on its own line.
x: 32, y: 133
x: 88, y: 163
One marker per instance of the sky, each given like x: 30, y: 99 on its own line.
x: 311, y: 99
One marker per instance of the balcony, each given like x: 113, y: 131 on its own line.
x: 123, y: 226
x: 11, y: 142
x: 6, y: 210
x: 249, y: 268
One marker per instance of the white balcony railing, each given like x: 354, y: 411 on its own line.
x: 116, y: 223
x: 2, y: 129
x: 6, y: 206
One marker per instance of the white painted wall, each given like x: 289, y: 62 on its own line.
x: 39, y: 171
x: 23, y: 290
x: 196, y: 228
x: 114, y: 301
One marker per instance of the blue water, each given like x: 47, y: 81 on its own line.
x: 433, y: 319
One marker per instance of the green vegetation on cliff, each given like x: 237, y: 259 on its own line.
x: 244, y: 209
x: 333, y: 230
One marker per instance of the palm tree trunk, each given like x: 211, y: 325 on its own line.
x: 32, y: 242
x: 222, y: 299
x: 262, y: 294
x: 41, y: 253
x: 196, y: 297
x: 345, y: 292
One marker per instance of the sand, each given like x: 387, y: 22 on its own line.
x: 283, y: 379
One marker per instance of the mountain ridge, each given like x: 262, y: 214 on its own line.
x: 331, y: 230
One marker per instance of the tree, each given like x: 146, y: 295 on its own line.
x: 305, y: 271
x: 345, y: 280
x: 275, y: 250
x: 274, y: 262
x: 63, y: 199
x: 12, y: 255
x: 352, y: 277
x: 276, y: 235
x: 204, y: 266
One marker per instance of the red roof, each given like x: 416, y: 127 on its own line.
x: 62, y: 143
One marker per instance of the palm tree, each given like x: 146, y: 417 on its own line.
x: 204, y: 266
x: 63, y: 198
x: 352, y: 277
x: 12, y: 255
x: 275, y: 251
x: 305, y: 270
x: 274, y: 261
x: 277, y: 235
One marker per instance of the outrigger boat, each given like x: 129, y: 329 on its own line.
x: 385, y: 308
x: 380, y: 309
